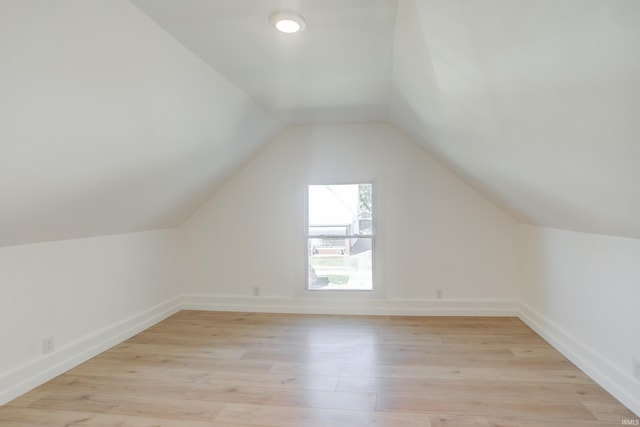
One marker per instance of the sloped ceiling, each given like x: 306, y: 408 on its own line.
x: 536, y: 103
x: 122, y: 116
x: 109, y: 125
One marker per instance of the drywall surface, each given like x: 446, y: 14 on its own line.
x: 76, y: 291
x: 533, y: 103
x: 433, y: 231
x: 109, y: 125
x: 581, y: 293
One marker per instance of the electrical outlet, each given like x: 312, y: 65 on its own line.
x: 636, y: 368
x: 439, y: 293
x: 256, y: 291
x: 47, y: 345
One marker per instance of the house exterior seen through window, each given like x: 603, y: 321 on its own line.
x: 340, y: 237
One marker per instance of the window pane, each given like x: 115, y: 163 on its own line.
x: 340, y: 242
x: 341, y: 264
x: 340, y: 210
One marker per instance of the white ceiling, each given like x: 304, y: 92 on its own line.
x: 119, y: 118
x: 342, y: 60
x: 536, y: 103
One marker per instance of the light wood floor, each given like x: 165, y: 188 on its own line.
x: 212, y: 369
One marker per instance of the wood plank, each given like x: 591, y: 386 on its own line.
x: 481, y: 405
x: 426, y: 387
x: 309, y: 417
x: 22, y: 417
x: 198, y: 376
x: 217, y: 393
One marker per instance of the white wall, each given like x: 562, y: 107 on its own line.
x: 435, y: 232
x: 88, y: 294
x: 581, y: 292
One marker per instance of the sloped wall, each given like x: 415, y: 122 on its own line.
x: 435, y: 232
x: 88, y: 294
x: 581, y: 292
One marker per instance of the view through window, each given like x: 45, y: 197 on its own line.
x: 340, y: 237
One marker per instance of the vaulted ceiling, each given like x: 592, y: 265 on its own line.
x: 122, y: 116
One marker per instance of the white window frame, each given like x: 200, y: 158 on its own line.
x: 374, y: 270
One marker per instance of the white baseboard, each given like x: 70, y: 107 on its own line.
x: 34, y: 373
x: 591, y: 362
x: 414, y: 307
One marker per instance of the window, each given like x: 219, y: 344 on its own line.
x: 340, y: 237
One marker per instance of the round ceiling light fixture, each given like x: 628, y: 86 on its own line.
x: 287, y: 22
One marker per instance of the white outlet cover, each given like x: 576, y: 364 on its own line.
x: 47, y: 345
x: 636, y: 368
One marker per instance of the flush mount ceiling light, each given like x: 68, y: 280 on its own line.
x: 287, y: 22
